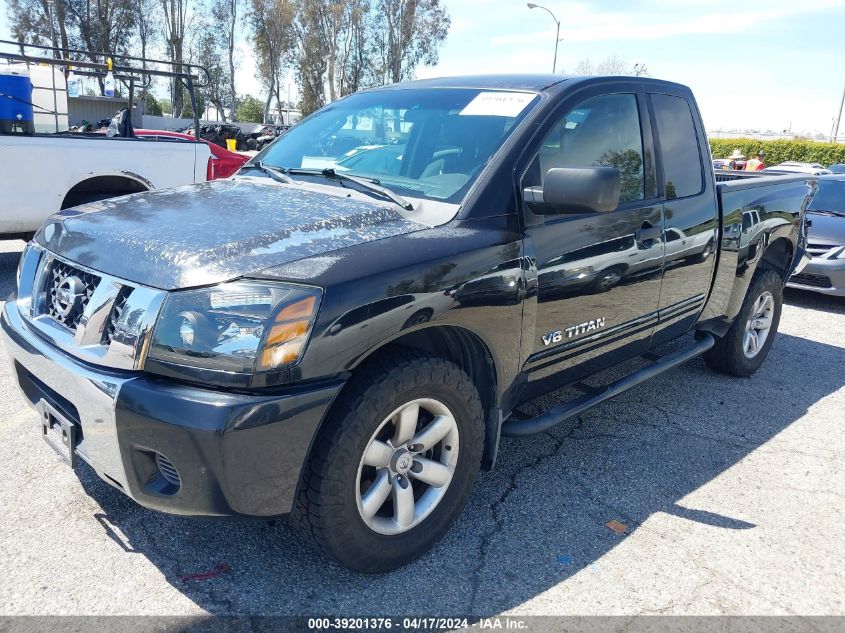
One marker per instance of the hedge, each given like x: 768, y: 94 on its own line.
x: 781, y: 151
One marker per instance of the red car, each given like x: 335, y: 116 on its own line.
x: 222, y: 163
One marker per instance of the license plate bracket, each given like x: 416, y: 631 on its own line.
x: 60, y: 433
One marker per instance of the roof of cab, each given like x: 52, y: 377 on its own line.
x: 535, y: 83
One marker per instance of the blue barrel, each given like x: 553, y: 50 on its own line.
x: 15, y: 101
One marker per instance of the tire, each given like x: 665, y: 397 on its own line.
x: 703, y: 255
x: 331, y: 503
x: 729, y: 355
x: 608, y: 279
x: 418, y: 318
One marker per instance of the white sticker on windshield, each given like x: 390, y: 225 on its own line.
x: 508, y: 104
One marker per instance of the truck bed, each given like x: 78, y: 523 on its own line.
x: 752, y: 208
x: 741, y: 191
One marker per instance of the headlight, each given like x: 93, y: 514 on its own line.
x: 243, y: 326
x: 580, y: 272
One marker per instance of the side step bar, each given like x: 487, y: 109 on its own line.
x: 515, y: 427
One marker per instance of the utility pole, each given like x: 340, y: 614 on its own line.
x: 53, y: 69
x: 835, y: 132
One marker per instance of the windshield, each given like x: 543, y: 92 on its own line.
x: 830, y: 196
x: 424, y: 143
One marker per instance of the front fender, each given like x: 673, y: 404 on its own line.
x: 466, y: 274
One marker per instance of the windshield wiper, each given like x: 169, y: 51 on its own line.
x: 369, y: 185
x: 840, y: 214
x: 276, y: 174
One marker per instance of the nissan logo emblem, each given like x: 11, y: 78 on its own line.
x: 68, y: 295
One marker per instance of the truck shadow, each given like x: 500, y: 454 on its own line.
x: 538, y: 519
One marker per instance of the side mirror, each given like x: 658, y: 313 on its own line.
x: 576, y: 190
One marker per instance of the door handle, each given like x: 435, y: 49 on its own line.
x: 646, y: 233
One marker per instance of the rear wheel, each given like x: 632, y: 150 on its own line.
x: 703, y: 255
x: 746, y: 345
x: 394, y: 466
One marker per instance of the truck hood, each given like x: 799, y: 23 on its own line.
x: 826, y: 229
x: 216, y: 231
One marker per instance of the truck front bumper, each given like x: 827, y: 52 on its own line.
x: 821, y: 275
x: 223, y: 453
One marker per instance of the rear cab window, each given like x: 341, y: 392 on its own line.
x: 682, y: 173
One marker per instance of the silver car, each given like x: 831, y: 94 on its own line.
x: 826, y: 271
x: 794, y: 167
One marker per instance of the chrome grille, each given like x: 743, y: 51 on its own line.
x: 69, y: 290
x: 116, y: 312
x: 810, y: 279
x: 820, y: 250
x: 110, y: 320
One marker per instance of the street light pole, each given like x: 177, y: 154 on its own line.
x: 531, y: 5
x: 838, y: 119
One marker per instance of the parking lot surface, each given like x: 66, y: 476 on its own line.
x: 729, y: 498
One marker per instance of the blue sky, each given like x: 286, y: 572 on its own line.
x: 767, y: 65
x: 752, y: 65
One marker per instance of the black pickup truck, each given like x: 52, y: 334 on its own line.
x: 344, y: 330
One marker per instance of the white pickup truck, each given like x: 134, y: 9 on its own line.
x: 54, y: 169
x: 44, y: 173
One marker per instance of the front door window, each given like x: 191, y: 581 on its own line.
x: 600, y: 132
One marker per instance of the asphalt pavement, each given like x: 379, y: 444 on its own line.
x: 724, y: 496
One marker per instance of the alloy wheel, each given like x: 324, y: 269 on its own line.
x: 610, y: 279
x: 407, y: 466
x: 759, y: 325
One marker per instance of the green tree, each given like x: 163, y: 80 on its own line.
x: 97, y: 27
x: 105, y: 26
x: 146, y: 28
x: 152, y: 106
x: 224, y: 18
x: 165, y: 105
x: 629, y: 164
x: 613, y: 65
x: 176, y: 17
x: 405, y: 34
x: 331, y: 48
x: 250, y: 109
x: 210, y: 51
x: 313, y: 51
x: 187, y: 110
x: 29, y: 21
x: 271, y: 22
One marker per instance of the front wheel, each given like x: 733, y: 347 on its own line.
x: 395, y: 463
x: 746, y: 345
x: 607, y: 280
